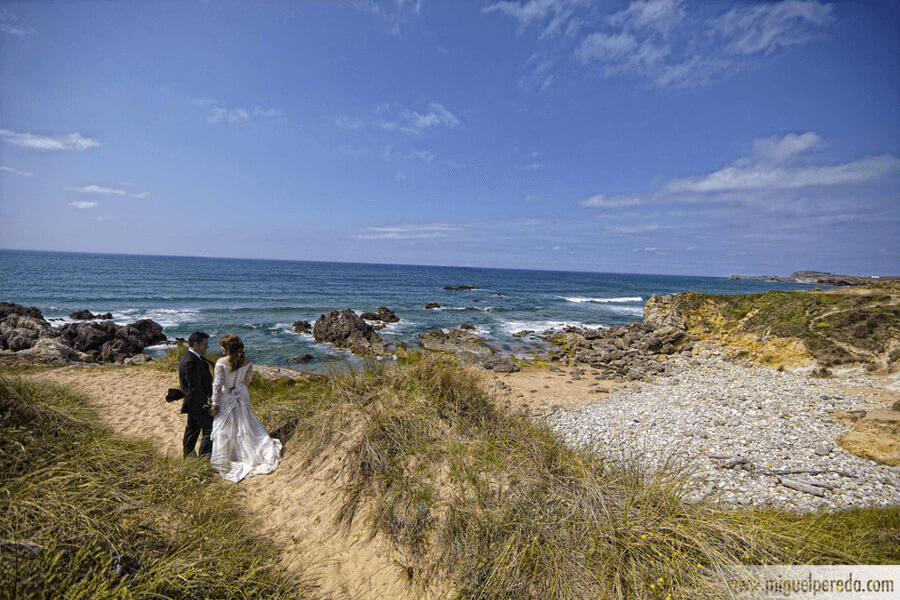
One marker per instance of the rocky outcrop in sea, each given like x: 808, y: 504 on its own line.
x: 346, y: 329
x: 25, y: 333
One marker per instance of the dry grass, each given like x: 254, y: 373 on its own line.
x: 501, y: 506
x: 466, y: 491
x: 86, y: 514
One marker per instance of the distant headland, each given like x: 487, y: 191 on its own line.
x: 820, y: 278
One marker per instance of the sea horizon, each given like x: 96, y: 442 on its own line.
x: 260, y: 299
x: 388, y: 264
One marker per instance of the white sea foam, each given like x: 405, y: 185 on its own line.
x: 282, y: 328
x: 511, y: 327
x: 581, y: 300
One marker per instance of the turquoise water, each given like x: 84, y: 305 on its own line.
x: 260, y: 299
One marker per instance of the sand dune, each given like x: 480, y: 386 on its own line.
x: 294, y: 505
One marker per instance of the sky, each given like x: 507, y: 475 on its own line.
x: 645, y: 136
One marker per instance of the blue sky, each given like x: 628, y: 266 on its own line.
x: 646, y: 136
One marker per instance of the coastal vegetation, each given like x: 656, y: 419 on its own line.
x: 474, y: 498
x: 87, y: 514
x: 833, y: 326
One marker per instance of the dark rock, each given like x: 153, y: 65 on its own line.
x: 520, y: 334
x: 7, y: 309
x: 385, y: 315
x: 303, y: 358
x: 302, y: 327
x: 459, y: 287
x: 346, y: 329
x: 86, y: 315
x: 25, y: 330
x: 432, y: 305
x: 468, y: 326
x: 468, y: 348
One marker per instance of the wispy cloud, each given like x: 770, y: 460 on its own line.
x: 768, y: 170
x: 105, y: 191
x: 409, y: 232
x: 16, y: 171
x: 762, y: 28
x: 661, y: 41
x: 349, y: 123
x: 9, y: 25
x: 559, y: 15
x: 437, y: 115
x: 83, y: 205
x: 21, y: 33
x: 423, y: 155
x: 70, y: 142
x: 217, y: 112
x: 394, y: 12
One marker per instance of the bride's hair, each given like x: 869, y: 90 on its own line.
x: 234, y: 347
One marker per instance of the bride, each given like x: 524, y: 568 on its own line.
x: 241, y: 447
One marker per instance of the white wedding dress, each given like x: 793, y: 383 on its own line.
x: 241, y: 446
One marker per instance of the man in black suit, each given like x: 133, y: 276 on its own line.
x: 196, y: 384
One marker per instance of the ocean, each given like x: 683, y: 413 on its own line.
x: 260, y: 299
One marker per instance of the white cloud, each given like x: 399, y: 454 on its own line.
x: 96, y: 189
x: 658, y: 39
x: 765, y: 27
x: 421, y: 155
x: 436, y: 115
x: 661, y: 15
x: 766, y: 177
x: 349, y: 123
x: 601, y: 201
x: 7, y: 17
x: 535, y: 11
x: 780, y: 149
x: 16, y: 171
x: 409, y: 232
x: 605, y: 47
x: 395, y: 12
x: 218, y: 112
x: 73, y: 141
x: 767, y: 172
x: 22, y: 34
x: 83, y: 205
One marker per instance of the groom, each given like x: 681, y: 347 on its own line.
x: 196, y: 384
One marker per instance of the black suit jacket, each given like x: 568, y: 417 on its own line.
x: 196, y: 383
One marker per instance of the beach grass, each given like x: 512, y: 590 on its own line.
x: 496, y: 503
x: 472, y: 496
x: 87, y: 514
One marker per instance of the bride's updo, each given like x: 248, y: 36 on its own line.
x: 234, y: 348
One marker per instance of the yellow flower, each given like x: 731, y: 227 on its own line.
x: 643, y: 536
x: 661, y: 580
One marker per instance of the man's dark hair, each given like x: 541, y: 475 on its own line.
x: 196, y: 338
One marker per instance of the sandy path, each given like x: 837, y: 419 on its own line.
x: 294, y: 505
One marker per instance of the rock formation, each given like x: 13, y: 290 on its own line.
x: 384, y: 315
x: 346, y: 329
x: 86, y: 315
x: 24, y: 331
x: 468, y: 348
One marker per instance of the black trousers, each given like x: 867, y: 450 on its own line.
x: 196, y: 424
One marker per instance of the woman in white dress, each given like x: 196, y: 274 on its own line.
x: 241, y: 446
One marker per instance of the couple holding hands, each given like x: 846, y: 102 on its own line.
x: 218, y: 406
